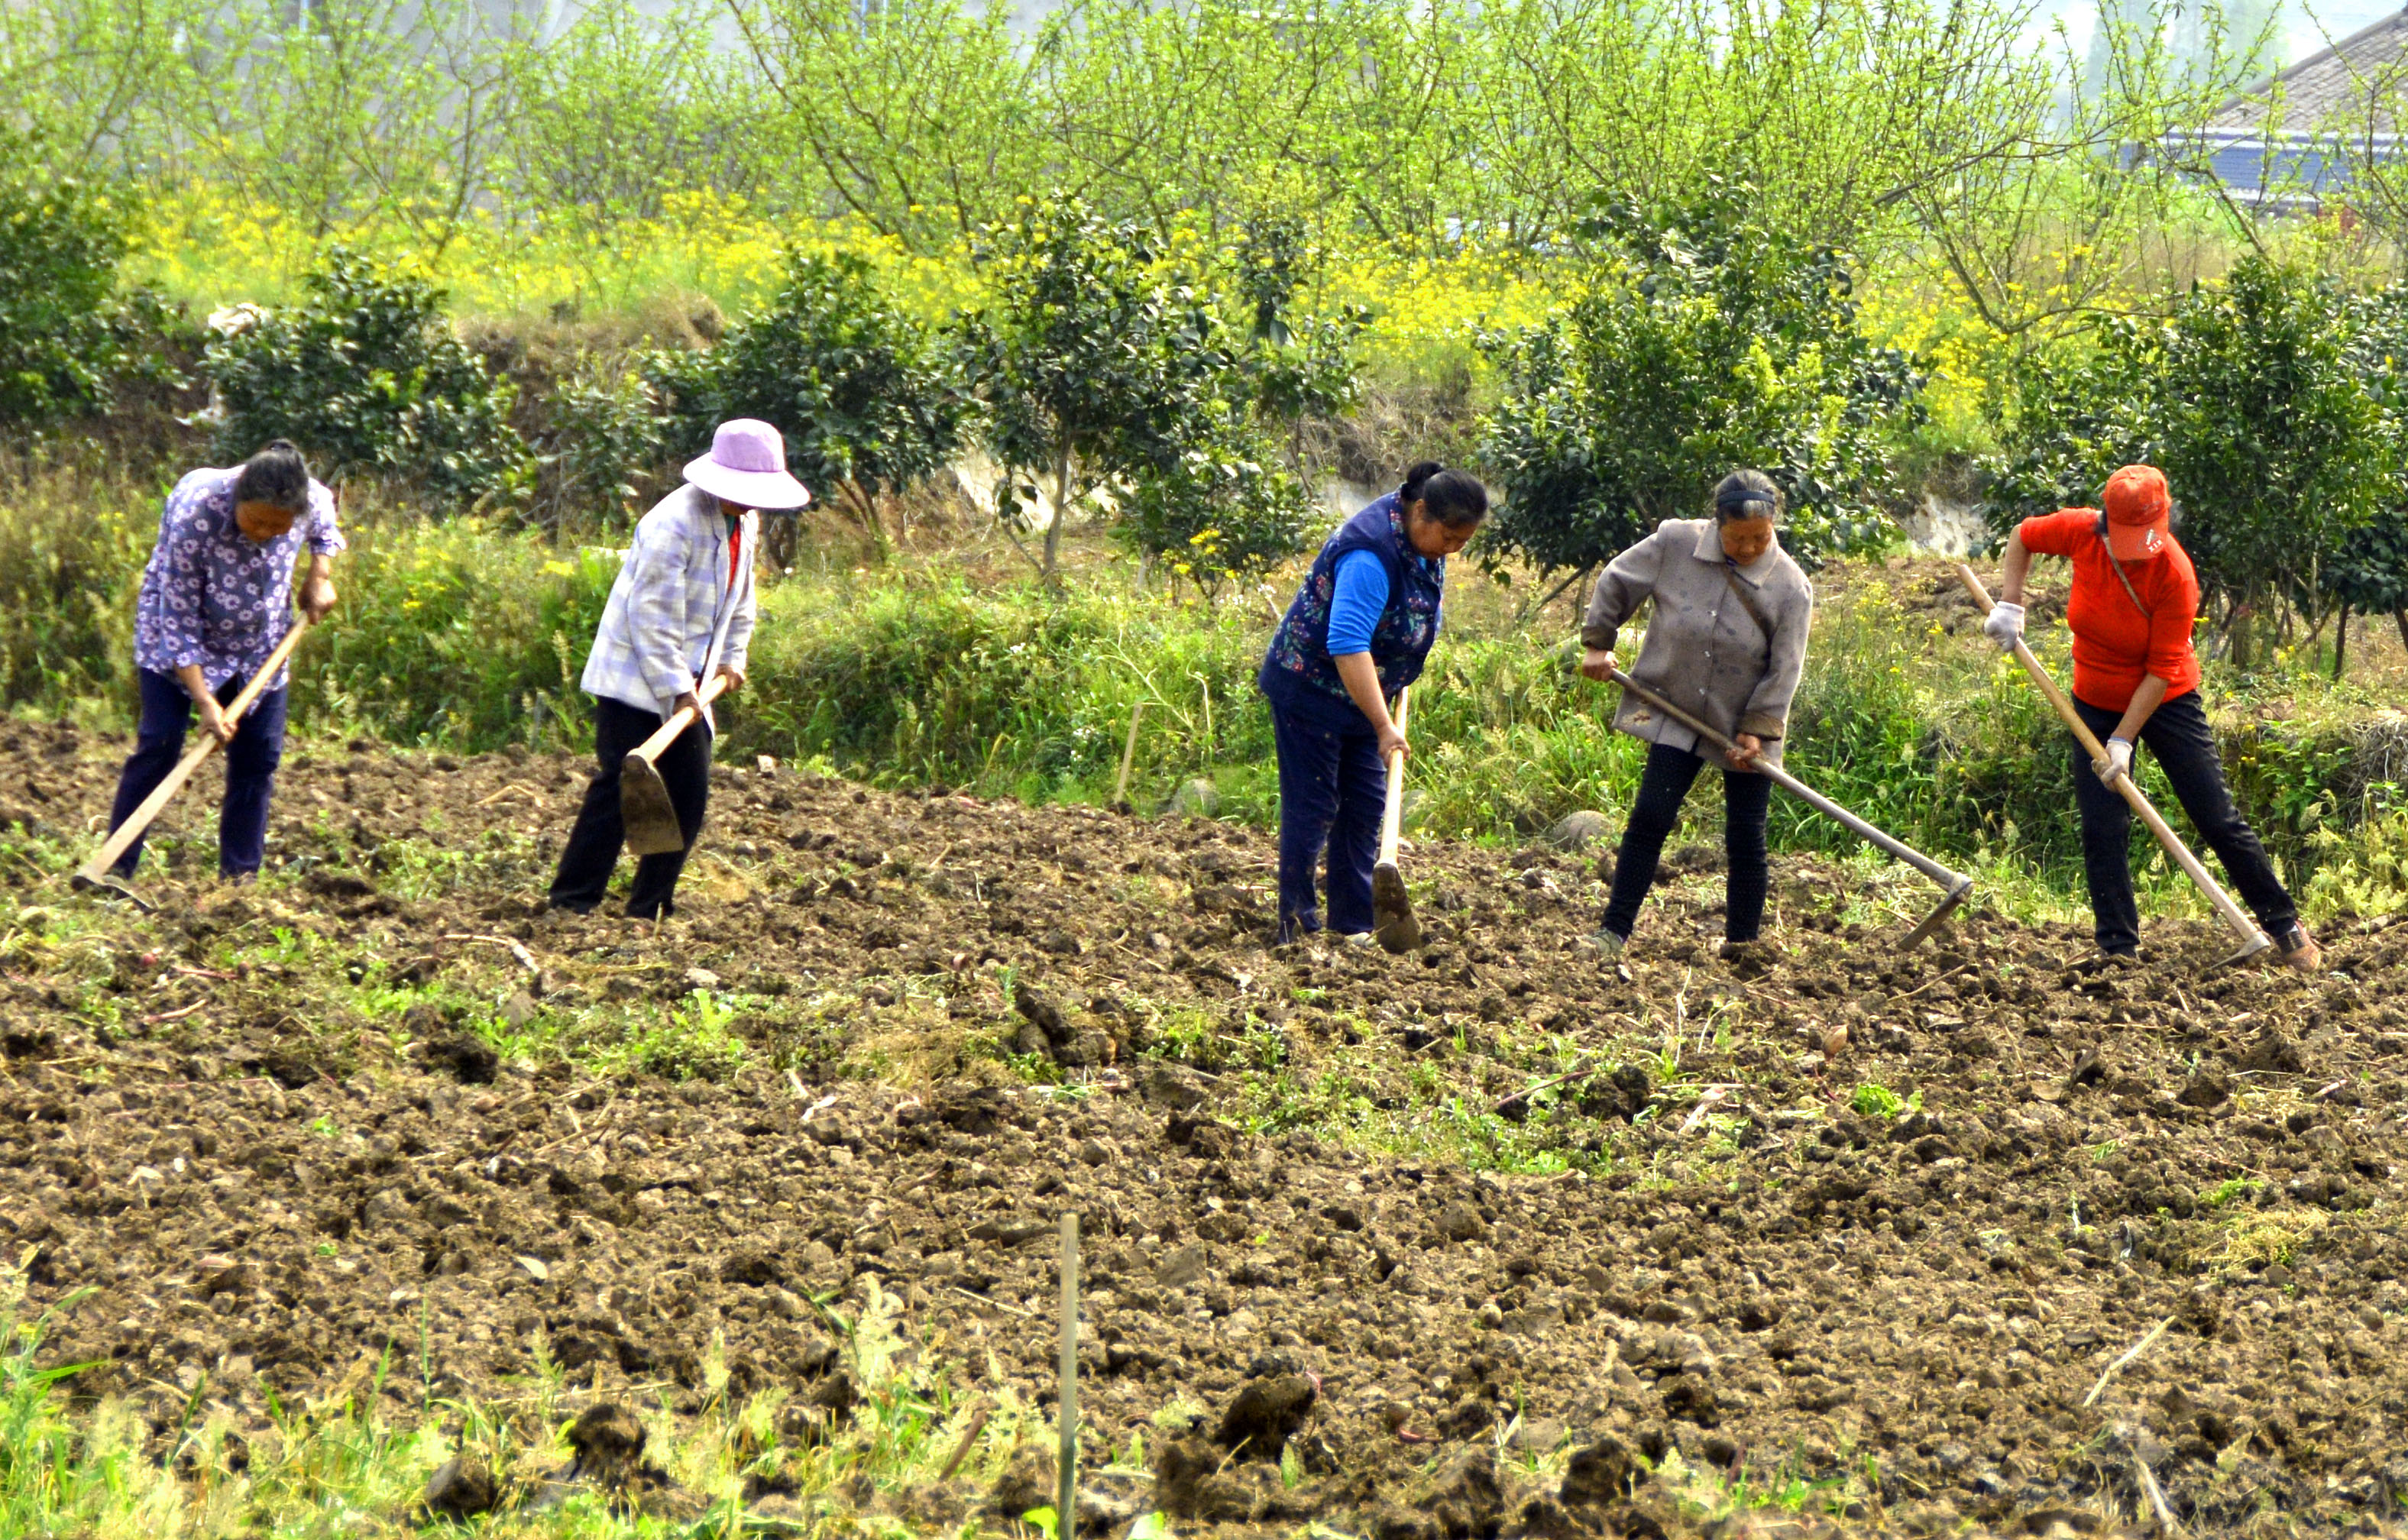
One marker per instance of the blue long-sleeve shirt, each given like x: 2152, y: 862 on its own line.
x: 1358, y: 595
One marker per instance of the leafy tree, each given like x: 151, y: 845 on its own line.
x: 866, y: 397
x: 1703, y: 340
x: 66, y: 334
x: 367, y: 377
x: 1296, y: 365
x: 2250, y: 397
x: 1091, y: 361
x: 604, y: 437
x: 2368, y: 570
x: 1218, y: 512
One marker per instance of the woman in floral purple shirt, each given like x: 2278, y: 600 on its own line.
x: 216, y: 600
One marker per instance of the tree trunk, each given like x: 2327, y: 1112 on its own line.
x: 865, y: 511
x: 1061, y: 512
x: 2340, y: 644
x: 2401, y: 617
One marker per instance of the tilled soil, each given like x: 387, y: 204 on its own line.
x: 1868, y: 1231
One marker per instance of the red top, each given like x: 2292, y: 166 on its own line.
x: 2114, y: 645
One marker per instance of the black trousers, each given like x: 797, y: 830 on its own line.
x: 2178, y: 735
x: 1747, y: 799
x: 592, y: 851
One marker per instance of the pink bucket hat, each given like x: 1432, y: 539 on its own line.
x: 747, y: 465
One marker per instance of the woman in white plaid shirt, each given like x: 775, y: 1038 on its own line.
x: 681, y: 611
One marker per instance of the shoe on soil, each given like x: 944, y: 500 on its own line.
x: 1607, y: 945
x: 2298, y: 950
x: 1358, y: 938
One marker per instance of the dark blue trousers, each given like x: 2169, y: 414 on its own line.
x: 250, y: 763
x: 1332, y: 791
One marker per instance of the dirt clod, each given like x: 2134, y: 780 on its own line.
x: 460, y: 1487
x: 1264, y: 1413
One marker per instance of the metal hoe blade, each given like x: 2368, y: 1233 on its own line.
x: 114, y: 889
x: 644, y: 811
x: 1391, y: 911
x: 1956, y: 899
x: 2243, y: 955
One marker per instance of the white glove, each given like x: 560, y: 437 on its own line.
x: 2005, y: 625
x: 2118, y: 762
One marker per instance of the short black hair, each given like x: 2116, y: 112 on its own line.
x: 1746, y: 494
x: 1455, y: 498
x: 276, y: 476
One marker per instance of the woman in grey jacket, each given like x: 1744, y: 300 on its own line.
x: 1727, y: 643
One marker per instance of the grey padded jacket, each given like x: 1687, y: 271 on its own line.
x: 1705, y: 651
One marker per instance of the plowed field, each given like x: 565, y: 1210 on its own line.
x: 1480, y: 1241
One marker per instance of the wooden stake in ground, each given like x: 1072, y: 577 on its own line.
x: 1128, y: 757
x: 94, y: 873
x: 1392, y: 906
x: 2253, y: 940
x: 1065, y: 1502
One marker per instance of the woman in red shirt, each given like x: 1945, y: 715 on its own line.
x: 2136, y: 681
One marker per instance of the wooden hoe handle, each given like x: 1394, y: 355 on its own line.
x: 649, y: 749
x: 123, y: 837
x: 1392, y: 816
x: 2252, y: 939
x: 1953, y: 881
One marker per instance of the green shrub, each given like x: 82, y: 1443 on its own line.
x: 1217, y: 513
x: 605, y: 439
x: 366, y: 377
x: 867, y: 398
x: 66, y: 333
x: 456, y: 634
x: 1703, y: 341
x: 1093, y: 361
x: 2254, y: 399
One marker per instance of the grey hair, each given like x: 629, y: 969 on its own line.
x: 1747, y: 494
x: 276, y: 476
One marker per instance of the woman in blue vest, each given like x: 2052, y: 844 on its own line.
x: 1357, y: 633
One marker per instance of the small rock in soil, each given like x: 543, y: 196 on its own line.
x: 1460, y: 1221
x: 2275, y: 1053
x: 607, y: 1439
x: 1181, y: 1268
x: 468, y: 1057
x: 460, y: 1487
x: 1577, y: 831
x: 1464, y: 1497
x: 1597, y: 1475
x: 1174, y: 1086
x: 1190, y: 1481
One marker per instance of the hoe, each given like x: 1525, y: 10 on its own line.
x: 644, y: 809
x: 1392, y: 908
x: 1955, y: 885
x: 2253, y: 940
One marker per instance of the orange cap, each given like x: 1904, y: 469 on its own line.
x: 2139, y: 513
